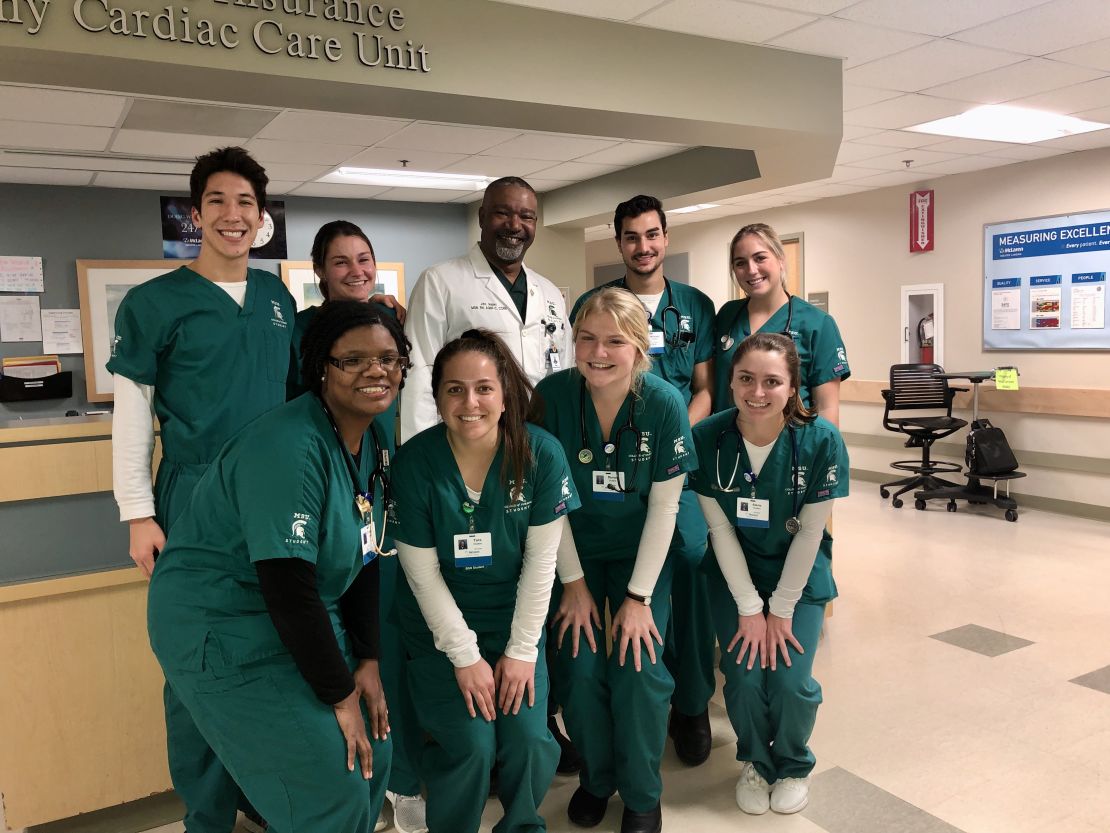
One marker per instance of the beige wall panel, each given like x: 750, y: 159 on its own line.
x: 40, y: 471
x: 80, y: 705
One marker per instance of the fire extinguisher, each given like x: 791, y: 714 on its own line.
x: 925, y: 338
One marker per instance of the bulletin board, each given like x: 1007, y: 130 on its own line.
x: 1044, y: 283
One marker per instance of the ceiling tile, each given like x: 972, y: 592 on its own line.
x: 146, y: 182
x: 724, y: 19
x: 917, y: 157
x: 855, y: 151
x: 301, y: 153
x: 837, y: 189
x: 299, y: 173
x: 1084, y: 141
x: 170, y: 116
x: 418, y: 160
x: 854, y: 42
x: 970, y: 147
x: 936, y: 62
x: 853, y: 132
x: 553, y: 146
x: 1034, y: 75
x: 962, y: 165
x: 354, y: 192
x: 905, y: 111
x: 631, y: 153
x: 60, y: 106
x: 496, y: 166
x: 447, y: 138
x: 610, y: 10
x: 901, y: 139
x: 574, y: 171
x: 856, y: 96
x: 850, y: 173
x: 1046, y: 28
x: 299, y: 126
x: 44, y: 176
x: 36, y: 135
x: 891, y: 178
x: 17, y: 159
x: 418, y: 195
x: 477, y: 196
x: 172, y: 145
x: 544, y: 185
x: 813, y: 6
x: 939, y: 17
x: 276, y: 187
x: 1024, y: 152
x: 1095, y: 54
x: 1089, y: 95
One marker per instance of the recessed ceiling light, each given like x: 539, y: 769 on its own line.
x: 412, y: 179
x: 690, y: 209
x: 1007, y: 123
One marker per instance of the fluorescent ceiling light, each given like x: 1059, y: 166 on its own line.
x: 1007, y: 123
x: 690, y: 209
x: 412, y: 179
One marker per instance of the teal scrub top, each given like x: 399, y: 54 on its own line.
x: 214, y: 366
x: 428, y: 495
x: 604, y: 529
x: 695, y: 315
x: 280, y: 489
x: 821, y: 350
x: 823, y: 475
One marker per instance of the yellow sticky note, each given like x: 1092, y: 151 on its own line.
x: 1006, y: 378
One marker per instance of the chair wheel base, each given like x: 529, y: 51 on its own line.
x: 896, y: 503
x: 884, y: 493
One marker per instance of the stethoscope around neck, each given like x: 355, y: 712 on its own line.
x: 680, y: 338
x: 793, y: 525
x: 364, y: 501
x: 611, y: 446
x: 727, y: 341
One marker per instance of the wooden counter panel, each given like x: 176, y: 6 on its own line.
x: 1080, y: 402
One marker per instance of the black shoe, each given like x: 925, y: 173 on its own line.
x: 569, y: 759
x: 693, y: 739
x: 585, y: 809
x: 649, y: 822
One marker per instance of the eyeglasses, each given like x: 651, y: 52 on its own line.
x: 360, y: 364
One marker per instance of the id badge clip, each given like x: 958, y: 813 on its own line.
x: 473, y: 550
x: 607, y: 485
x: 753, y: 512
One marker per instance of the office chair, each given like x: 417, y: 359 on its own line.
x: 917, y: 387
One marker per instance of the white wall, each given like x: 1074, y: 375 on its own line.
x: 856, y: 249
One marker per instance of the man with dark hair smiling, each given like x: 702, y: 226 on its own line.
x: 489, y: 287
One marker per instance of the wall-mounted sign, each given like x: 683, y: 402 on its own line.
x: 181, y: 239
x: 921, y: 221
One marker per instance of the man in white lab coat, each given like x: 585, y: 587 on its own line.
x: 488, y: 287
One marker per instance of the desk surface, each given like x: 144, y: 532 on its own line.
x: 973, y: 376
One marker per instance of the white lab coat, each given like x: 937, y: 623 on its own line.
x: 463, y: 293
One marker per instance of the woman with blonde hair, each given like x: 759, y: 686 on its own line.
x: 627, y: 436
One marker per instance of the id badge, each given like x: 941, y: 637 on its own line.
x: 367, y: 534
x: 753, y: 512
x: 656, y: 342
x: 473, y: 550
x: 554, y: 361
x: 607, y: 486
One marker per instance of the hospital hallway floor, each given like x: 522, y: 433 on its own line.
x: 966, y: 677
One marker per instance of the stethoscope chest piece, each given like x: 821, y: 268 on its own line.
x: 585, y: 456
x: 727, y: 341
x: 609, y: 448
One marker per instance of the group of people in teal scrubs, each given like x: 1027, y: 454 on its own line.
x: 340, y: 621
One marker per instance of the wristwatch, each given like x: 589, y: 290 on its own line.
x: 636, y: 597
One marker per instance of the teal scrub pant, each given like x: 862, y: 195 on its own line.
x: 616, y: 716
x: 772, y: 712
x: 456, y: 766
x: 690, y: 642
x: 283, y: 747
x: 404, y: 727
x: 210, y: 794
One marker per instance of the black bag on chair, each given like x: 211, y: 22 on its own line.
x: 988, y: 453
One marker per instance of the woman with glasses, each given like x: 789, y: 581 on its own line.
x: 346, y: 268
x: 478, y: 513
x: 757, y: 262
x: 263, y: 608
x: 627, y: 435
x: 769, y: 472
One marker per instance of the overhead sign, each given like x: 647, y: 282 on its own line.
x: 921, y: 221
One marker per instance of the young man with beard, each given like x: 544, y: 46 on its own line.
x: 489, y: 287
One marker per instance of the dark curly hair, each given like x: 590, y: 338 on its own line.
x: 333, y: 320
x: 233, y: 160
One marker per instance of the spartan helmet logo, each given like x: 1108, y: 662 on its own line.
x: 299, y: 527
x: 277, y: 311
x: 679, y: 445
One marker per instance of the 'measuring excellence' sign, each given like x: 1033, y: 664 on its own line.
x: 376, y: 34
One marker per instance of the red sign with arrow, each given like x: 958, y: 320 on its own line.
x: 921, y: 221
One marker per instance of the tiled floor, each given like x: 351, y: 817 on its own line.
x: 966, y: 682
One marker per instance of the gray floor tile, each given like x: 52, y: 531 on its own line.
x: 989, y: 643
x: 1098, y: 680
x: 841, y: 802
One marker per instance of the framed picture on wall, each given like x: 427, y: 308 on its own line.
x: 301, y: 280
x: 102, y: 285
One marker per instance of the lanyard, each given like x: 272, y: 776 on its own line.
x: 793, y: 525
x: 612, y: 446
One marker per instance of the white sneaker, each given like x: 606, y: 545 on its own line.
x: 790, y: 795
x: 753, y: 793
x: 408, y: 812
x: 381, y: 823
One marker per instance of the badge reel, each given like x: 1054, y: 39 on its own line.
x: 752, y: 511
x: 608, y: 485
x: 473, y: 550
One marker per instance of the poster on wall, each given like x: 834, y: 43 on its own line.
x: 181, y: 239
x: 1044, y: 283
